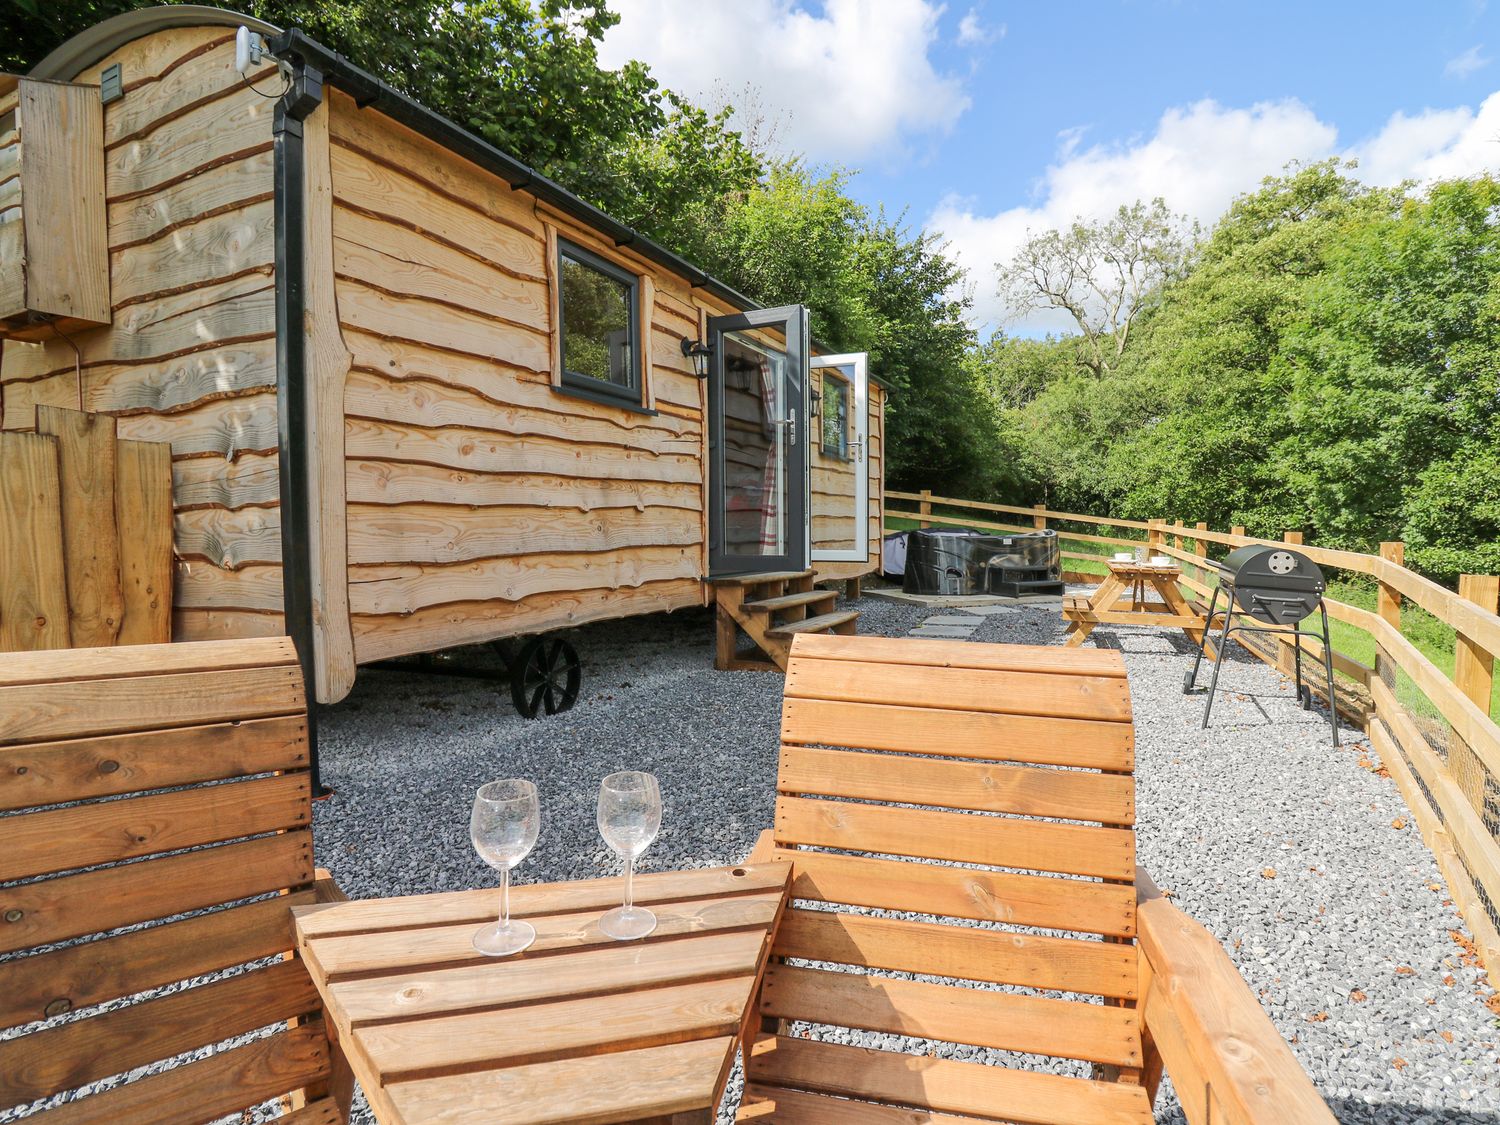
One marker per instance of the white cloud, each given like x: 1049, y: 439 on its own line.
x: 973, y: 33
x: 1461, y: 66
x: 1198, y: 158
x: 852, y: 84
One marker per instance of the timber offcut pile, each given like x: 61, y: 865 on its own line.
x: 85, y: 536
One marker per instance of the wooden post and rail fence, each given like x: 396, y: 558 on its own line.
x: 1448, y: 770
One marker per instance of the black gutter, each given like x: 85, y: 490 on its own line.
x: 303, y: 95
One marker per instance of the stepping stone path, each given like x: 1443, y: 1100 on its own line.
x: 949, y: 625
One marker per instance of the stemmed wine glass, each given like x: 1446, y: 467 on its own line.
x: 504, y: 827
x: 629, y: 818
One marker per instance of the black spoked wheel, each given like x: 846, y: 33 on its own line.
x: 545, y: 677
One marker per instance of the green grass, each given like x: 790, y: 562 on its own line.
x: 1432, y: 638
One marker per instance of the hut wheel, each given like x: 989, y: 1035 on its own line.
x: 545, y: 676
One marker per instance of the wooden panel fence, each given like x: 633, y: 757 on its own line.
x: 1445, y: 763
x: 85, y: 536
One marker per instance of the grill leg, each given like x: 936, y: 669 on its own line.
x: 1333, y: 709
x: 1208, y: 624
x: 1303, y: 700
x: 1213, y: 683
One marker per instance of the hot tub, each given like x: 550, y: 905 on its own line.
x: 954, y: 562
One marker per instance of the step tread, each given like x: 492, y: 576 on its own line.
x: 814, y: 624
x: 759, y: 579
x: 791, y: 601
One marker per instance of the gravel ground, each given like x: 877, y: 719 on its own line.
x: 1287, y: 850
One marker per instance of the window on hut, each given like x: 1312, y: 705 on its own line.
x: 835, y: 406
x: 598, y: 312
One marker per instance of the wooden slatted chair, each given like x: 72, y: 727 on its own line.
x: 156, y: 830
x: 959, y: 818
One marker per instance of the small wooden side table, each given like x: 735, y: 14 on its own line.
x: 579, y: 1028
x: 1121, y: 600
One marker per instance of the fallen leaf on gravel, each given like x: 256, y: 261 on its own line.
x: 1399, y: 822
x: 1434, y: 886
x: 1404, y: 970
x: 1449, y: 981
x: 1399, y: 1063
x: 1358, y: 996
x: 1447, y: 1036
x: 1366, y: 764
x: 1469, y: 954
x: 1493, y: 1003
x: 1268, y: 873
x: 1318, y: 1017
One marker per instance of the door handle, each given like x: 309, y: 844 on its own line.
x: 790, y: 423
x: 857, y: 444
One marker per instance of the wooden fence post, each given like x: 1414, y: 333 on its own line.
x: 1294, y: 537
x: 925, y: 507
x: 1153, y: 533
x: 1388, y: 606
x: 1177, y: 539
x: 1238, y: 529
x: 1474, y: 674
x: 1040, y: 519
x: 1200, y: 546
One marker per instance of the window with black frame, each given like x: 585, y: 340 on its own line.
x: 835, y: 407
x: 599, y: 334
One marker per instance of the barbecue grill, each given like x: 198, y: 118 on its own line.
x: 1279, y: 588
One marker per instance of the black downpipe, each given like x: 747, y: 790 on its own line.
x: 303, y: 95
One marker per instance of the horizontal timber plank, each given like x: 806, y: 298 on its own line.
x: 209, y: 1088
x: 229, y: 538
x: 82, y: 708
x: 1087, y: 743
x: 230, y: 186
x: 568, y: 1028
x: 1026, y: 790
x: 219, y: 624
x: 1004, y: 1021
x: 426, y: 630
x: 408, y: 262
x: 960, y: 689
x: 143, y: 661
x: 379, y: 482
x: 414, y: 319
x: 961, y: 952
x: 96, y: 971
x: 215, y: 132
x: 202, y: 585
x: 42, y: 843
x: 799, y: 1107
x: 607, y: 970
x: 213, y: 482
x: 1042, y: 660
x: 195, y: 254
x: 427, y: 533
x: 408, y: 588
x: 488, y: 452
x: 662, y: 1081
x: 61, y: 1058
x: 73, y: 905
x: 1068, y: 849
x: 945, y: 1085
x: 499, y: 383
x: 201, y: 71
x: 45, y: 773
x: 433, y: 405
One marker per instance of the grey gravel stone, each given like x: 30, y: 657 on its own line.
x: 1351, y: 910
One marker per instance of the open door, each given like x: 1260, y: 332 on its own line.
x: 758, y: 442
x: 840, y: 472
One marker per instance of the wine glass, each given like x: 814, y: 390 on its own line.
x: 629, y: 818
x: 504, y: 827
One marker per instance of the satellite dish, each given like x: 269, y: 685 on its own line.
x: 248, y: 46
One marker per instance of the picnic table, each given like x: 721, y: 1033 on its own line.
x: 1122, y: 599
x: 579, y: 1027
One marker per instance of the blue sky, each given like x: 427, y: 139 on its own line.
x: 987, y: 119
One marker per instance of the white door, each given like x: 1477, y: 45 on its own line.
x: 840, y: 477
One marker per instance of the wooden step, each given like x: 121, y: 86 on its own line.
x: 759, y: 579
x: 792, y: 601
x: 824, y: 624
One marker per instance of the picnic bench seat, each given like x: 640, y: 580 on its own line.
x: 960, y: 822
x: 157, y: 826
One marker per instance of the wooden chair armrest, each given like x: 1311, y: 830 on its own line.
x: 325, y: 889
x: 1228, y: 1062
x: 765, y: 846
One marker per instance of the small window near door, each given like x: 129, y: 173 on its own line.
x: 597, y: 306
x: 835, y: 407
